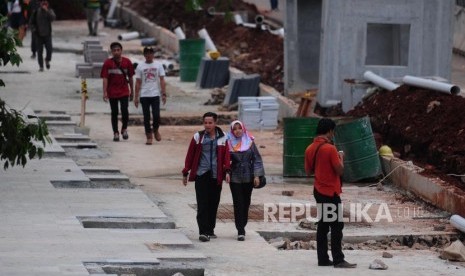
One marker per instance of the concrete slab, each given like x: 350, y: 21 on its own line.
x: 107, y: 177
x: 79, y: 145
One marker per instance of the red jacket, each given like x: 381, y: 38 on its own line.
x: 327, y: 181
x: 195, y: 150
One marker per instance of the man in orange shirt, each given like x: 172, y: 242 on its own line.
x: 323, y: 159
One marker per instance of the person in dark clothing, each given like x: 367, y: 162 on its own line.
x: 32, y: 7
x: 246, y: 168
x: 207, y: 163
x: 41, y: 24
x: 323, y: 159
x: 274, y: 5
x: 4, y: 7
x: 93, y: 16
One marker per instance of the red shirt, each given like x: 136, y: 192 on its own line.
x: 118, y: 86
x: 327, y: 181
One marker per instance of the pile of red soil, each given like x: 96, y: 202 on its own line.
x: 424, y: 126
x: 249, y: 50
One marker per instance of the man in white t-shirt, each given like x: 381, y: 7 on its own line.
x: 150, y: 85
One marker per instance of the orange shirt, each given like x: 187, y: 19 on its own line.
x: 327, y: 181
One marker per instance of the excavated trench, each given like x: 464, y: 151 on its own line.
x: 307, y: 241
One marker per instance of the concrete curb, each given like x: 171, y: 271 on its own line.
x: 434, y: 191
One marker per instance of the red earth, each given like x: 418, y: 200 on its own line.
x: 422, y: 125
x: 249, y: 50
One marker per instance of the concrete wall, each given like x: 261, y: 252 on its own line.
x: 423, y: 50
x: 302, y: 45
x: 432, y: 190
x: 165, y: 37
x: 459, y: 29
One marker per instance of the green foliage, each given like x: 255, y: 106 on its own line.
x: 20, y: 139
x: 8, y: 42
x: 18, y: 136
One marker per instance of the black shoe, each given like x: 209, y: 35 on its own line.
x: 213, y: 236
x: 124, y: 132
x: 241, y: 237
x: 326, y: 263
x: 47, y: 64
x: 345, y: 264
x: 204, y: 238
x: 33, y: 56
x: 41, y: 69
x: 116, y: 137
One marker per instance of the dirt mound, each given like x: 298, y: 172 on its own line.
x: 424, y: 126
x: 250, y: 50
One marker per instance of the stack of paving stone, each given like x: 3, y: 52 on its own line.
x: 94, y: 56
x: 259, y: 112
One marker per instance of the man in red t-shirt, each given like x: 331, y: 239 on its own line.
x: 323, y: 159
x: 117, y: 73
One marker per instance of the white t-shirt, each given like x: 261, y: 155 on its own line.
x: 149, y: 74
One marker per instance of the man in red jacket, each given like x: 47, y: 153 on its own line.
x: 208, y: 162
x: 323, y: 159
x: 117, y: 73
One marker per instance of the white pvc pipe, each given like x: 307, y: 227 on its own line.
x: 209, y: 45
x: 431, y: 84
x: 128, y: 36
x: 249, y: 25
x: 238, y: 19
x: 279, y: 31
x: 212, y: 11
x: 458, y: 222
x: 179, y: 33
x: 380, y: 81
x: 112, y: 8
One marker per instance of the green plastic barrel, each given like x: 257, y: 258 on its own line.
x: 361, y: 158
x: 298, y: 135
x: 191, y: 52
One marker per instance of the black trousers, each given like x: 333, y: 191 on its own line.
x: 123, y: 101
x: 42, y: 41
x: 208, y: 193
x: 323, y: 228
x: 241, y: 194
x: 33, y: 43
x: 154, y: 104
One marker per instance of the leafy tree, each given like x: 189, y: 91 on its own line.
x: 20, y: 138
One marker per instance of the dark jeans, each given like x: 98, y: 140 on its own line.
x: 323, y: 229
x: 207, y: 192
x: 33, y: 43
x: 124, y: 113
x: 41, y: 42
x: 241, y: 193
x: 154, y: 103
